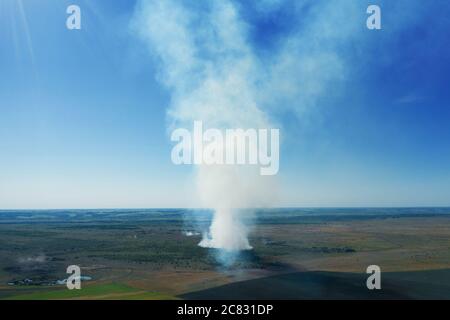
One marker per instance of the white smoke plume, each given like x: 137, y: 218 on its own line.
x: 216, y: 75
x: 212, y: 73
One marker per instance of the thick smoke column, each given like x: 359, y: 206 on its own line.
x: 210, y: 69
x: 218, y: 74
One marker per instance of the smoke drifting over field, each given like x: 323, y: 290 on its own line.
x: 212, y: 73
x: 214, y: 63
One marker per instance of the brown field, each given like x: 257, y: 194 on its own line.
x: 149, y: 257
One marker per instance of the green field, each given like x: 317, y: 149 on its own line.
x: 109, y: 291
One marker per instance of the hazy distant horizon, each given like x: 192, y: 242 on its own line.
x: 210, y: 209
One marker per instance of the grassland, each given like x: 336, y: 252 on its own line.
x: 145, y: 254
x: 97, y: 291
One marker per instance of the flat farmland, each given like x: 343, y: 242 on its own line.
x: 154, y: 254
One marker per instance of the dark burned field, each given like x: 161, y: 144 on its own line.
x: 298, y: 254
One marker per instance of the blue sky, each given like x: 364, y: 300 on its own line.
x: 83, y: 115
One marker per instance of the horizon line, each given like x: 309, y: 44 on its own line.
x: 251, y: 208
